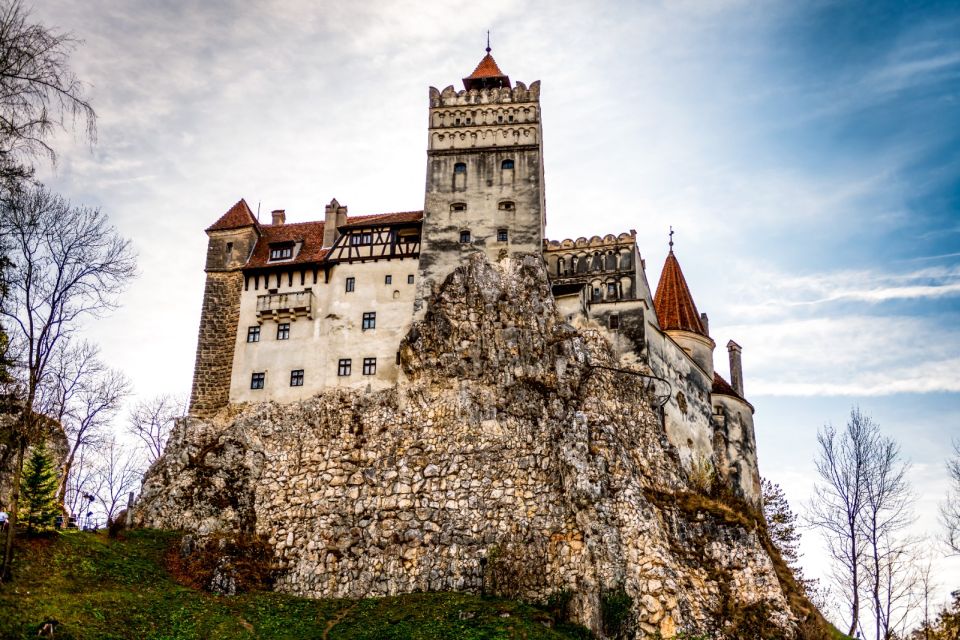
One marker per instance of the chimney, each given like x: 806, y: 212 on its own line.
x: 334, y: 216
x: 736, y: 369
x: 279, y: 216
x: 705, y: 323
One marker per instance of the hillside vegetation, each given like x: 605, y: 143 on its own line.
x: 97, y: 588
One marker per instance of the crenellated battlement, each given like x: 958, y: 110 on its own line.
x: 450, y: 97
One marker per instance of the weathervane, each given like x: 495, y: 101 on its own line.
x: 488, y: 40
x: 671, y: 238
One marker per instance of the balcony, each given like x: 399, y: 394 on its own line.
x: 275, y: 306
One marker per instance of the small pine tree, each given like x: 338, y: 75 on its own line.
x: 781, y: 522
x: 38, y: 491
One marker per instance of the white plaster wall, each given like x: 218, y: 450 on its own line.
x: 335, y: 331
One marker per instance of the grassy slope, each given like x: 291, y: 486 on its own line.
x: 100, y: 588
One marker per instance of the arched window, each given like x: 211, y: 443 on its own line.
x: 582, y: 264
x: 597, y: 262
x: 611, y: 261
x: 459, y: 176
x: 506, y: 164
x: 561, y: 266
x: 625, y: 260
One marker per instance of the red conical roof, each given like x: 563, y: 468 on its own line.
x: 673, y: 302
x: 238, y: 216
x: 487, y: 74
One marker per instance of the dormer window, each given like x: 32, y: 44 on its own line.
x: 281, y: 251
x: 365, y: 237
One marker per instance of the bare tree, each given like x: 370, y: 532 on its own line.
x: 119, y: 471
x: 839, y: 501
x: 151, y: 421
x: 950, y: 509
x: 83, y: 395
x: 927, y: 586
x: 67, y: 263
x: 885, y: 513
x: 83, y: 481
x: 39, y: 93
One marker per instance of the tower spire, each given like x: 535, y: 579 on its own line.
x: 671, y: 238
x: 488, y: 40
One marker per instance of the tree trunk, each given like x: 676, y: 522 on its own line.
x: 14, y: 507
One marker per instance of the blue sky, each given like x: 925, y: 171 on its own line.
x: 807, y: 153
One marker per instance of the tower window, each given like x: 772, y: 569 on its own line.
x: 506, y: 206
x: 465, y: 236
x: 506, y: 164
x: 283, y: 331
x: 457, y: 121
x: 369, y: 320
x: 369, y: 366
x: 253, y: 333
x: 410, y: 279
x: 296, y: 378
x: 468, y: 120
x: 460, y: 167
x: 500, y: 118
x: 351, y: 284
x: 614, y: 321
x: 510, y: 118
x: 458, y: 207
x: 611, y: 290
x: 502, y: 235
x: 257, y: 379
x: 343, y: 367
x: 388, y: 280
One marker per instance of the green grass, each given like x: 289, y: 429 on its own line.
x: 98, y: 588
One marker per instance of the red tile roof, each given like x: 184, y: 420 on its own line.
x: 673, y: 302
x: 383, y: 218
x: 487, y: 74
x: 311, y: 234
x: 487, y: 69
x: 237, y: 217
x: 723, y: 387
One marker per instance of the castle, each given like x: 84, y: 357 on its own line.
x: 292, y: 310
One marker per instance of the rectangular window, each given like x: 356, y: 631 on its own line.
x: 410, y: 279
x: 256, y: 380
x: 358, y: 239
x: 388, y: 280
x: 343, y: 367
x: 464, y: 237
x: 351, y: 283
x: 501, y: 235
x: 369, y: 366
x: 296, y: 378
x: 614, y: 321
x: 253, y: 333
x: 281, y: 253
x: 283, y: 331
x: 369, y: 320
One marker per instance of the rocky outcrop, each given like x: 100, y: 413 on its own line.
x: 513, y: 456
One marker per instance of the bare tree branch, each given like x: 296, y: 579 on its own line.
x: 950, y: 508
x: 119, y: 472
x: 151, y: 421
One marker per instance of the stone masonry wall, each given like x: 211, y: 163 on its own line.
x: 216, y: 342
x: 504, y: 461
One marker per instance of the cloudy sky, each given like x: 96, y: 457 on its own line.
x: 807, y: 154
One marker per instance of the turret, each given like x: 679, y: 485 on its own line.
x: 231, y: 240
x: 678, y: 316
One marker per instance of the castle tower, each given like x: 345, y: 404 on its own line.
x: 678, y: 315
x: 231, y: 240
x: 484, y: 187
